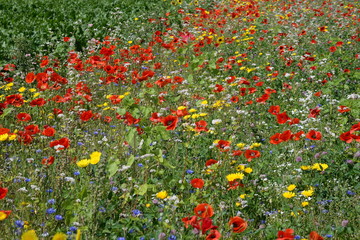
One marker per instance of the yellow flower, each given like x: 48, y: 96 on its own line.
x: 319, y: 166
x: 32, y: 89
x: 256, y: 145
x: 162, y: 194
x: 305, y: 167
x: 59, y: 236
x: 22, y: 89
x: 308, y: 193
x: 304, y: 204
x: 242, y: 196
x: 288, y: 194
x: 234, y: 176
x: 95, y: 157
x: 83, y: 163
x: 241, y: 145
x: 3, y: 137
x: 2, y: 216
x: 29, y: 235
x: 291, y: 187
x: 248, y: 170
x: 192, y: 110
x: 12, y: 137
x: 181, y: 108
x: 240, y: 167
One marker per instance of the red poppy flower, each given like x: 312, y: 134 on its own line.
x: 201, y: 126
x: 170, y: 122
x: 210, y: 162
x: 214, y: 235
x: 346, y: 137
x: 16, y: 100
x: 315, y: 236
x: 332, y: 49
x: 24, y: 137
x: 274, y: 110
x: 180, y: 113
x: 314, y: 135
x: 32, y: 129
x: 61, y: 143
x: 286, y: 135
x: 275, y: 139
x: 23, y: 117
x: 30, y: 77
x: 282, y: 118
x: 250, y: 154
x: 189, y: 221
x: 296, y: 136
x: 343, y: 109
x: 223, y: 145
x: 197, y: 183
x: 48, y: 161
x: 285, y: 235
x: 86, y: 115
x: 355, y: 127
x: 3, y: 192
x: 48, y: 131
x: 294, y: 121
x: 314, y: 112
x: 237, y: 153
x: 155, y: 117
x: 238, y: 224
x: 234, y: 99
x: 57, y: 111
x: 218, y: 88
x: 204, y: 210
x: 38, y: 102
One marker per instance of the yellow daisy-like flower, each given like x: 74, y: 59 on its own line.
x: 3, y: 216
x: 234, y: 176
x: 181, y: 108
x: 95, y: 157
x: 308, y: 193
x: 192, y: 110
x: 288, y: 194
x: 59, y: 236
x: 29, y: 235
x: 305, y: 167
x: 243, y: 196
x: 4, y: 137
x: 291, y: 187
x: 319, y: 166
x: 304, y: 204
x: 162, y: 194
x: 241, y: 145
x: 248, y: 170
x: 240, y: 167
x: 12, y: 137
x: 83, y: 163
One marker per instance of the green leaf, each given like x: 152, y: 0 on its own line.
x: 6, y: 112
x: 141, y: 190
x: 113, y: 167
x: 121, y: 111
x: 130, y: 161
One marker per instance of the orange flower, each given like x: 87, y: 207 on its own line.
x: 197, y: 183
x: 204, y: 210
x: 238, y: 224
x: 315, y: 236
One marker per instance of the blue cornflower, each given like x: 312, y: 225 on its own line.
x: 51, y: 201
x: 136, y: 212
x: 189, y: 171
x: 73, y: 228
x: 19, y: 223
x: 172, y: 237
x: 58, y: 217
x: 50, y: 210
x: 76, y: 173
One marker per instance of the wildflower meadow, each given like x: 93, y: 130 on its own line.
x: 182, y: 119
